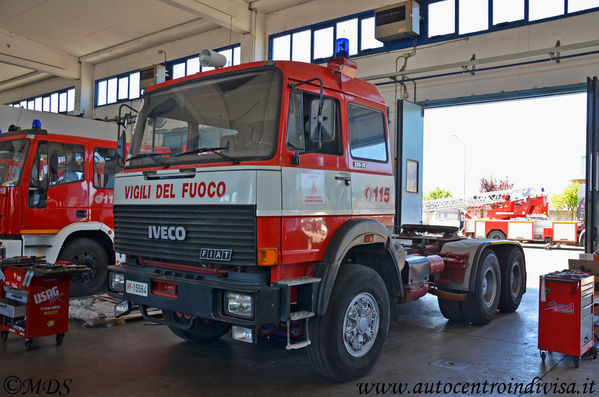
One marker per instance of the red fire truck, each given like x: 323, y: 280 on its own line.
x: 56, y: 191
x: 272, y: 209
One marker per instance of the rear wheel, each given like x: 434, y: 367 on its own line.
x: 349, y: 339
x: 496, y: 235
x: 88, y: 252
x: 513, y: 281
x: 203, y: 331
x: 481, y: 304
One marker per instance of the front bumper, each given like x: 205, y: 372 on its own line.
x: 204, y: 298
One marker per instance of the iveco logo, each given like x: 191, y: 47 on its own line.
x: 167, y: 232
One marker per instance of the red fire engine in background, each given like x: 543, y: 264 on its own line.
x: 56, y: 191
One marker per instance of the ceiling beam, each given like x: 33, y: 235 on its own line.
x: 231, y: 14
x: 19, y: 51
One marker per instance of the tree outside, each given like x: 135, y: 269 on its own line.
x: 437, y: 193
x: 567, y: 200
x: 491, y: 184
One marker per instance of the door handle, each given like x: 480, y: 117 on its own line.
x: 346, y: 179
x: 81, y: 213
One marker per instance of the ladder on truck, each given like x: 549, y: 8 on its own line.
x: 477, y: 200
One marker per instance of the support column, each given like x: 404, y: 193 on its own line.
x: 254, y: 43
x: 84, y: 90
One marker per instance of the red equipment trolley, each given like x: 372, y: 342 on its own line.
x: 566, y: 314
x: 34, y: 298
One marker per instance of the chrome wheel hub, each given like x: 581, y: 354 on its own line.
x: 489, y: 287
x: 361, y: 324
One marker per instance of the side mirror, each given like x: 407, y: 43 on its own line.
x: 126, y: 119
x: 323, y: 129
x: 121, y: 147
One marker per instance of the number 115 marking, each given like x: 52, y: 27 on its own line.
x: 382, y: 194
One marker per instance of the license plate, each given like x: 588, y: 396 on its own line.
x: 136, y: 288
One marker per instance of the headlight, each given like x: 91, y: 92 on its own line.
x: 237, y: 304
x: 117, y: 282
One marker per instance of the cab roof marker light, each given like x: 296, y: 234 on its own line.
x: 342, y: 48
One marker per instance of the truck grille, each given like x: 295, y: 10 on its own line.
x: 217, y: 228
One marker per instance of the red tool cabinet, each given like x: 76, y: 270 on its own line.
x: 34, y: 299
x: 566, y: 314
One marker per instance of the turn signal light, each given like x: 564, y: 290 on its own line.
x: 369, y: 238
x: 267, y: 257
x: 167, y: 289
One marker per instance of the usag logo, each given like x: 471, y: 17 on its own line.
x: 215, y: 254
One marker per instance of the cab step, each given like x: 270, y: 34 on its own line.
x: 292, y: 282
x: 300, y: 315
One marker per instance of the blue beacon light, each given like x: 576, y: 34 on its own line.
x: 36, y: 124
x: 342, y: 48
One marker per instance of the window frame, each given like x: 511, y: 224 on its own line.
x: 49, y: 96
x: 386, y: 133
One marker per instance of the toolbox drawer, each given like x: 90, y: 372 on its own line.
x: 16, y: 294
x: 587, y: 299
x: 12, y: 309
x: 586, y: 332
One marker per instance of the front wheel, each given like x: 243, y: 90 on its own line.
x: 203, y: 331
x: 348, y: 340
x: 88, y: 252
x: 481, y: 304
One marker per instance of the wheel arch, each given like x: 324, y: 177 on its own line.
x: 97, y: 231
x: 348, y: 242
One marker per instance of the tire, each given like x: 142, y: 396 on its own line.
x: 496, y: 235
x: 85, y: 251
x: 204, y: 331
x: 451, y: 310
x: 513, y: 282
x: 333, y: 351
x: 481, y: 304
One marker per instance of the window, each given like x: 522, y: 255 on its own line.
x: 123, y: 88
x: 540, y: 9
x: 349, y: 30
x: 323, y: 43
x: 112, y: 88
x: 62, y: 102
x: 38, y: 103
x: 38, y: 180
x: 368, y: 40
x: 66, y: 163
x: 507, y: 11
x: 441, y: 18
x: 134, y: 85
x: 411, y: 176
x: 106, y: 166
x: 281, y: 48
x: 474, y: 16
x: 193, y: 65
x: 579, y: 5
x: 101, y: 93
x: 367, y: 133
x: 71, y: 100
x: 54, y: 103
x: 302, y: 43
x: 302, y: 125
x: 46, y: 104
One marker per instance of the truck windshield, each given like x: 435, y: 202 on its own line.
x: 221, y: 118
x: 12, y: 159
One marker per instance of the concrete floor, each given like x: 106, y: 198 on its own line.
x: 141, y: 359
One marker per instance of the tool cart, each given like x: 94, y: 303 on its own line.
x: 34, y: 298
x: 566, y: 314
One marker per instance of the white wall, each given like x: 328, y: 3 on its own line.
x: 570, y: 30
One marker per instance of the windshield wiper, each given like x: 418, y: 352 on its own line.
x: 150, y: 156
x: 215, y: 150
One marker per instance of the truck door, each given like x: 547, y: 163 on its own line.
x: 104, y: 168
x: 316, y: 194
x: 57, y: 192
x: 592, y: 164
x: 408, y: 174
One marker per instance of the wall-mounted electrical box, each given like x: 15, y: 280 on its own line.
x: 397, y: 21
x: 152, y: 75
